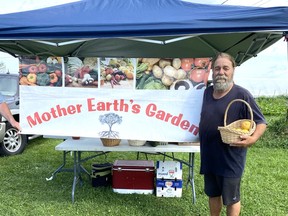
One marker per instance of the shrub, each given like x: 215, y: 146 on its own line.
x: 273, y: 106
x: 275, y: 110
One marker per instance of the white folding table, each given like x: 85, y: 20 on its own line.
x: 95, y: 145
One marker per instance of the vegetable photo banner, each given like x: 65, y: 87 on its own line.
x: 141, y: 99
x: 125, y: 114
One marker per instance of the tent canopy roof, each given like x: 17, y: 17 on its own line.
x: 134, y: 18
x: 142, y: 28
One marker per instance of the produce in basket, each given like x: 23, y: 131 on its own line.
x: 245, y: 125
x: 231, y: 133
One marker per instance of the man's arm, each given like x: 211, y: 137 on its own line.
x: 5, y: 111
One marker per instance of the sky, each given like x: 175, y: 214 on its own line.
x: 266, y: 74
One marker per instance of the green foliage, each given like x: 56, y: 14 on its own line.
x: 24, y: 190
x: 279, y: 126
x: 272, y: 142
x: 275, y: 110
x: 273, y: 106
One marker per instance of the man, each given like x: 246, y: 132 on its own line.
x: 5, y: 111
x: 223, y: 164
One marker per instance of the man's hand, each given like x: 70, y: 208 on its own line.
x: 246, y: 141
x: 17, y: 125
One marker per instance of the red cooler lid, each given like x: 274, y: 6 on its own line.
x: 133, y: 163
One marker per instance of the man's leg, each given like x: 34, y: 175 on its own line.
x: 234, y: 209
x: 231, y: 196
x: 213, y: 189
x: 215, y: 205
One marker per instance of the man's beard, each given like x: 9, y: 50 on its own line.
x: 221, y: 83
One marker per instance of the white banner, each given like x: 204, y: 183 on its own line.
x: 158, y: 115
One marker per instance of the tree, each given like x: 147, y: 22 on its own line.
x: 110, y: 119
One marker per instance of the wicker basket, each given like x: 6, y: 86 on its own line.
x: 228, y: 132
x: 110, y: 142
x: 136, y: 142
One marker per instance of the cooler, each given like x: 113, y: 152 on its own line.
x: 101, y: 174
x: 133, y: 176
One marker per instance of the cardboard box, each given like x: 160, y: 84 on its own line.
x: 168, y: 188
x: 133, y: 176
x: 169, y: 170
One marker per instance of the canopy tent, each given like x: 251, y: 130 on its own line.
x: 142, y: 28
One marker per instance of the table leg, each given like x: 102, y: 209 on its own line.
x: 77, y: 172
x: 77, y: 169
x: 75, y: 175
x: 191, y: 175
x: 82, y: 168
x: 60, y: 168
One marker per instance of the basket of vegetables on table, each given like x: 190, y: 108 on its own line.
x: 172, y: 73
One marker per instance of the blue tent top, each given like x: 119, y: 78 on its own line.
x: 142, y: 28
x: 139, y: 18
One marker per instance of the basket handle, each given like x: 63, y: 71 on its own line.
x: 240, y: 100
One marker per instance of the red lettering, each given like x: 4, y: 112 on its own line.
x: 34, y: 121
x: 168, y: 116
x: 185, y: 124
x: 100, y: 106
x: 136, y: 108
x: 115, y: 105
x: 71, y: 109
x: 195, y: 129
x: 61, y: 110
x: 123, y: 106
x: 108, y: 106
x: 54, y: 113
x: 150, y: 107
x: 160, y: 115
x: 151, y: 111
x: 46, y: 116
x: 176, y: 119
x: 91, y: 107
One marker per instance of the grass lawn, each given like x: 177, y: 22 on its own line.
x: 25, y: 191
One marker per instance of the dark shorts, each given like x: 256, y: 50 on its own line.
x: 228, y: 188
